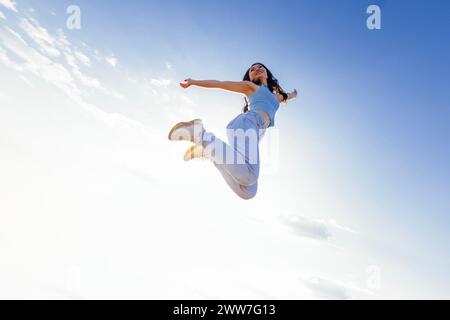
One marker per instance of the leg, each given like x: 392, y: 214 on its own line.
x: 236, y: 166
x: 244, y: 192
x: 240, y: 158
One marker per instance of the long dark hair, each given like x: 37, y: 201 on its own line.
x: 272, y: 84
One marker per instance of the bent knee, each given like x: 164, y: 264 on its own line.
x: 248, y: 193
x: 248, y: 196
x: 249, y: 180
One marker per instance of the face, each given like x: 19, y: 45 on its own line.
x: 258, y: 72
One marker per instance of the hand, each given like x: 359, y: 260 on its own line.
x: 294, y: 94
x: 187, y: 83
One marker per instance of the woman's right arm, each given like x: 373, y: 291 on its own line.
x: 244, y: 87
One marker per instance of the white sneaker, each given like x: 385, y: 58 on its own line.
x: 188, y: 131
x: 195, y: 152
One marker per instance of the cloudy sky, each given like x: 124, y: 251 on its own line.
x: 95, y: 202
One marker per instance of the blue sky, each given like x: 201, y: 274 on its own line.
x: 365, y: 144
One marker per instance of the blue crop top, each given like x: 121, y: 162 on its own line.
x: 264, y: 99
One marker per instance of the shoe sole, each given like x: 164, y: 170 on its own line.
x: 190, y: 155
x: 179, y: 126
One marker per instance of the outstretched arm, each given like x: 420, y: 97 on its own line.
x: 244, y: 87
x: 292, y: 95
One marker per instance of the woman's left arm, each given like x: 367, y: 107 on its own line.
x: 292, y: 95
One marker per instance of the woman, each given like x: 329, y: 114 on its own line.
x: 238, y: 162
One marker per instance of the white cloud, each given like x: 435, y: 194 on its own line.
x: 85, y: 80
x: 332, y: 223
x: 52, y: 47
x: 327, y: 289
x: 109, y: 59
x: 112, y: 60
x: 62, y: 39
x: 8, y: 62
x: 313, y: 228
x: 82, y: 58
x: 162, y: 83
x: 307, y: 227
x: 46, y: 42
x: 112, y: 119
x: 37, y: 63
x: 9, y: 4
x: 56, y: 74
x: 2, y: 16
x: 334, y: 289
x: 187, y: 101
x: 25, y: 79
x: 165, y: 91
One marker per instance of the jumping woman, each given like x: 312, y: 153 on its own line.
x: 240, y: 170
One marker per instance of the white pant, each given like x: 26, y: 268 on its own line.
x: 238, y: 161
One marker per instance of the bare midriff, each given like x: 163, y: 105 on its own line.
x: 265, y: 116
